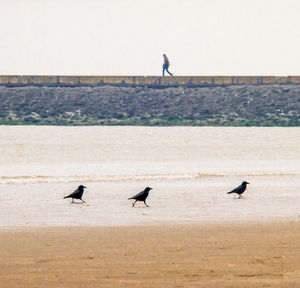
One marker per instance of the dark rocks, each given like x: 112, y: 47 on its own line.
x: 262, y: 105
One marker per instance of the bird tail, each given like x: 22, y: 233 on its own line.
x: 66, y: 197
x: 229, y: 192
x: 130, y: 198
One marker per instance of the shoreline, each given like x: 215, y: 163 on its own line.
x: 151, y: 224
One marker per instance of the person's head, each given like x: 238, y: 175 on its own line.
x: 164, y: 55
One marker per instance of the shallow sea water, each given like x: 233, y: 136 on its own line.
x: 190, y: 169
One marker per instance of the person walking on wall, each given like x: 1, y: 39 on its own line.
x: 166, y: 65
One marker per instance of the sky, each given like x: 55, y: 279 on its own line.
x: 128, y: 37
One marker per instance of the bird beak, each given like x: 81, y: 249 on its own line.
x: 84, y: 187
x: 247, y: 182
x: 151, y: 188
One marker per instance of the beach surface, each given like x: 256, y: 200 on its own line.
x: 189, y: 168
x: 193, y: 234
x: 202, y: 255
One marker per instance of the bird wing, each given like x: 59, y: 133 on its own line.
x: 237, y: 189
x: 138, y: 195
x: 76, y: 192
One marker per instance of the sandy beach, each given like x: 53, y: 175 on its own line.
x: 87, y: 101
x: 193, y: 235
x: 208, y: 255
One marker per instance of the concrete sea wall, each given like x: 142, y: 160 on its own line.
x: 151, y: 81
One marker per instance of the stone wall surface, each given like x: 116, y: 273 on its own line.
x: 154, y: 81
x: 230, y: 105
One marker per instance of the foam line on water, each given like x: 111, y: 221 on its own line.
x: 129, y: 178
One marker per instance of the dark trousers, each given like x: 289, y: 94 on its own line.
x: 165, y: 68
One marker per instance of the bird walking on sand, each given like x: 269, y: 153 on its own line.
x: 240, y: 189
x: 142, y: 196
x: 77, y: 194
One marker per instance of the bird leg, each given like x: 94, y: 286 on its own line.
x: 82, y: 200
x: 146, y: 204
x: 134, y: 203
x: 72, y: 200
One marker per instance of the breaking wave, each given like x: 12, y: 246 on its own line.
x: 128, y: 178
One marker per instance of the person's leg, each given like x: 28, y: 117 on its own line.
x: 169, y: 72
x: 164, y: 71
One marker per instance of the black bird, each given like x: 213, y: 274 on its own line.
x: 77, y: 194
x: 240, y: 190
x: 142, y: 196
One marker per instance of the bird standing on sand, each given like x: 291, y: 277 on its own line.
x: 77, y: 194
x: 142, y: 196
x: 240, y: 190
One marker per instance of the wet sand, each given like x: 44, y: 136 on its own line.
x: 202, y: 255
x: 202, y: 200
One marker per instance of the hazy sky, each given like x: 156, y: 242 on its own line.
x: 128, y: 37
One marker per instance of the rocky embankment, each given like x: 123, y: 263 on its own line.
x: 244, y: 105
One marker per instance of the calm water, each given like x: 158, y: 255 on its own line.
x: 190, y: 169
